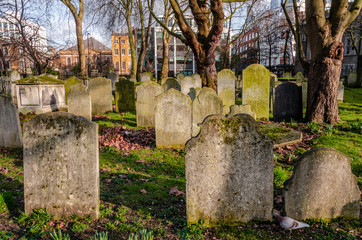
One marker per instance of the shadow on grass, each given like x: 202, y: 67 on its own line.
x: 142, y: 181
x: 11, y: 196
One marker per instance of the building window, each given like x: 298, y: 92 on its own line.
x: 116, y: 52
x: 69, y: 61
x: 123, y: 65
x: 129, y: 52
x: 117, y: 66
x: 123, y: 52
x: 115, y: 41
x: 123, y: 42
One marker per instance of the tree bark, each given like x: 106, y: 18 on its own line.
x: 80, y: 44
x: 165, y: 51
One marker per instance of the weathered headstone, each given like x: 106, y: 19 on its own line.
x: 79, y: 101
x: 29, y: 72
x: 340, y: 92
x: 114, y: 78
x: 171, y: 83
x: 68, y: 83
x: 197, y: 78
x: 146, y: 102
x: 229, y: 172
x: 303, y: 82
x: 273, y: 80
x: 189, y: 85
x: 146, y: 76
x: 100, y: 90
x: 173, y: 119
x: 226, y: 88
x: 238, y: 109
x: 206, y: 103
x: 61, y: 165
x: 180, y: 76
x: 256, y: 83
x: 287, y: 102
x: 125, y: 99
x: 14, y: 76
x: 6, y: 86
x: 351, y: 79
x: 322, y: 186
x: 10, y: 131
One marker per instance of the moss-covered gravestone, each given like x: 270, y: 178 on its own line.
x: 146, y: 103
x: 68, y: 83
x: 10, y: 131
x: 173, y: 119
x: 226, y: 88
x: 322, y: 186
x: 146, y: 76
x: 351, y: 79
x: 256, y: 83
x: 189, y: 86
x: 206, y: 103
x: 171, y: 83
x: 125, y: 99
x: 79, y: 101
x: 61, y: 165
x: 100, y: 90
x: 229, y: 172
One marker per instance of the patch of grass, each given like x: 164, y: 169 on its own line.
x: 127, y: 119
x: 273, y: 133
x: 280, y: 176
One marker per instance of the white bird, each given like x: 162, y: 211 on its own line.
x: 289, y: 223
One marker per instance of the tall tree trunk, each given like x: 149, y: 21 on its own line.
x: 165, y: 51
x: 80, y: 44
x: 206, y: 68
x: 132, y: 45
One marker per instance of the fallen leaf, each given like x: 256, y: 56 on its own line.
x: 175, y: 191
x: 108, y: 180
x: 140, y: 161
x: 143, y: 180
x: 143, y: 190
x: 122, y: 176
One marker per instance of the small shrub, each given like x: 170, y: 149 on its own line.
x: 313, y: 127
x: 280, y: 176
x: 101, y: 236
x: 59, y: 235
x: 329, y: 129
x: 79, y: 227
x: 142, y: 235
x: 36, y: 223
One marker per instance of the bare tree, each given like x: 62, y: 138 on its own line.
x: 77, y: 11
x: 28, y: 36
x: 324, y: 35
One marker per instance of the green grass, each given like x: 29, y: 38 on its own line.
x: 135, y: 199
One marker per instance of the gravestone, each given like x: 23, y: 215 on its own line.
x: 322, y: 186
x: 68, y: 83
x: 146, y: 76
x: 125, y: 99
x: 173, y: 119
x: 340, y: 92
x: 273, y: 80
x: 351, y: 79
x: 79, y: 101
x: 197, y: 78
x: 146, y: 103
x: 229, y: 172
x: 61, y: 165
x: 226, y: 88
x: 29, y: 72
x: 10, y: 131
x: 189, y: 85
x: 179, y: 77
x: 256, y: 83
x: 171, y: 83
x: 302, y: 82
x: 114, y: 78
x: 100, y: 90
x: 6, y: 86
x: 206, y: 103
x: 287, y: 102
x: 238, y: 109
x: 14, y: 76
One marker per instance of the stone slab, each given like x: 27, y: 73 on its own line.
x: 100, y: 90
x: 281, y: 135
x: 125, y: 96
x: 10, y: 131
x: 79, y: 101
x: 287, y: 102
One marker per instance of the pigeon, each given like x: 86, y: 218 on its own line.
x: 289, y: 223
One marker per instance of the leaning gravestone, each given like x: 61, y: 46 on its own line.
x: 189, y: 85
x: 10, y: 131
x: 351, y: 79
x: 100, y: 90
x: 238, y: 109
x: 287, y: 102
x: 322, y: 186
x: 146, y: 103
x: 79, y: 101
x: 226, y: 88
x: 171, y: 83
x: 146, y: 76
x: 68, y: 83
x: 125, y: 99
x: 206, y: 103
x: 256, y: 83
x: 229, y: 172
x: 61, y: 165
x: 173, y: 119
